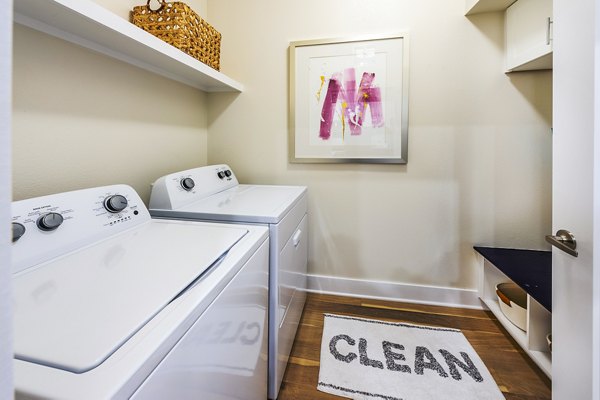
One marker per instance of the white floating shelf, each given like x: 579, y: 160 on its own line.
x: 481, y: 6
x: 87, y: 24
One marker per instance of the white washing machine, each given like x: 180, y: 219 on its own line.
x: 213, y: 193
x: 111, y: 304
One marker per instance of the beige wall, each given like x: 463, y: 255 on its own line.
x: 479, y: 140
x: 479, y: 168
x: 82, y: 119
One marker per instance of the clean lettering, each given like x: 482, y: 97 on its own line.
x: 467, y: 366
x: 364, y: 359
x: 420, y: 364
x: 348, y: 358
x: 391, y: 357
x: 395, y: 360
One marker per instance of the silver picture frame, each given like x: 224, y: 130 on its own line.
x: 348, y: 100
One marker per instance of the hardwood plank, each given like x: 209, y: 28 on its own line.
x: 516, y: 375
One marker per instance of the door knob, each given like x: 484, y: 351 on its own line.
x: 563, y: 240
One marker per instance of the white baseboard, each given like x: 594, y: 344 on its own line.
x: 423, y: 294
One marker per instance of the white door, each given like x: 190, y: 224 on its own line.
x: 575, y: 107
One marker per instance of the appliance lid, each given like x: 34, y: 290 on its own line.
x: 74, y: 311
x: 244, y: 203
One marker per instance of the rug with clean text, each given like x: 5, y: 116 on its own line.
x: 370, y: 359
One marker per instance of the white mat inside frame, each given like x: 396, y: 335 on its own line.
x: 371, y: 359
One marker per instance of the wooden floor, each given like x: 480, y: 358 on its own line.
x: 516, y: 375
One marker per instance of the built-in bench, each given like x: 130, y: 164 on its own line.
x: 532, y: 271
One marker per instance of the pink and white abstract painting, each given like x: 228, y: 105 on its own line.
x: 347, y: 106
x: 349, y: 100
x: 353, y: 101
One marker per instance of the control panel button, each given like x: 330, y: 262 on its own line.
x: 227, y: 173
x: 18, y: 230
x: 49, y: 221
x: 187, y: 183
x: 115, y: 203
x: 221, y: 174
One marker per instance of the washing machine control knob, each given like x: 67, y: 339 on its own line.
x: 187, y: 183
x: 221, y: 174
x: 227, y: 173
x: 18, y: 230
x: 115, y: 203
x: 50, y: 221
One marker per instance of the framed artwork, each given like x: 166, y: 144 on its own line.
x: 349, y: 100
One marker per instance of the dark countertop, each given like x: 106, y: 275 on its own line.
x: 530, y: 269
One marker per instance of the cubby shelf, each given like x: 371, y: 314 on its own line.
x: 87, y: 24
x: 532, y: 271
x: 528, y: 31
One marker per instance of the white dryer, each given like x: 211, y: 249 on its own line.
x: 111, y: 304
x: 213, y: 193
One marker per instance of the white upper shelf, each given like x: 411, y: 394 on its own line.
x: 87, y: 24
x: 481, y: 6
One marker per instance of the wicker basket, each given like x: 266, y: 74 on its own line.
x: 177, y: 24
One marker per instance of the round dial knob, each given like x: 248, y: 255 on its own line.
x: 221, y: 174
x: 18, y: 230
x: 187, y: 183
x: 227, y: 173
x: 49, y: 221
x: 115, y: 203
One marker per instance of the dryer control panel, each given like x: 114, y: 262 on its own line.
x: 49, y: 226
x: 179, y: 189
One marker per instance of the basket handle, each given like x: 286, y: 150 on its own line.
x: 162, y: 3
